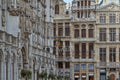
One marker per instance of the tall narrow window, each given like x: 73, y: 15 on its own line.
x: 102, y: 53
x: 78, y: 3
x: 54, y: 30
x: 83, y: 50
x: 112, y: 34
x: 81, y: 3
x: 89, y: 3
x: 119, y: 34
x: 78, y: 14
x: 56, y: 9
x: 76, y: 33
x: 67, y: 65
x: 76, y: 67
x: 86, y: 3
x: 60, y: 29
x: 60, y: 65
x: 119, y: 54
x: 102, y: 34
x: 76, y: 50
x: 67, y: 49
x: 81, y: 14
x: 91, y: 52
x: 102, y: 18
x: 91, y: 34
x: 112, y: 18
x: 67, y: 29
x: 54, y: 48
x: 112, y: 55
x: 83, y: 33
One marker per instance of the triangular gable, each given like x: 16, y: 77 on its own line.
x: 109, y: 7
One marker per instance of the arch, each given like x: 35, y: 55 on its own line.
x: 83, y: 26
x: 91, y: 26
x: 57, y: 9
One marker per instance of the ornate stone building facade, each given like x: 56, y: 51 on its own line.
x: 92, y: 39
x: 25, y: 28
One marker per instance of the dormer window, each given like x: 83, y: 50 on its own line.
x: 56, y: 9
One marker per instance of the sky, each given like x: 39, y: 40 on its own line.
x: 67, y: 1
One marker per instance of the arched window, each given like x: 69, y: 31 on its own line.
x: 56, y: 9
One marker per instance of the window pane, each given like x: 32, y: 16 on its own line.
x: 83, y: 33
x: 60, y: 29
x: 76, y: 67
x: 76, y: 33
x: 76, y: 50
x: 83, y: 66
x: 102, y: 34
x: 67, y: 29
x: 112, y: 34
x: 102, y: 52
x: 112, y: 55
x: 83, y: 50
x: 90, y: 33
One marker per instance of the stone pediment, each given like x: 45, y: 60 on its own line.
x: 110, y: 7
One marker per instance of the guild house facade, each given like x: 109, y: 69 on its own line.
x: 89, y: 33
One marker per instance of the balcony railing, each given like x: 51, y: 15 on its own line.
x: 108, y: 64
x: 84, y: 19
x: 82, y: 7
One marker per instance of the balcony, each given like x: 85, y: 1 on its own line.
x: 83, y: 39
x: 84, y: 19
x: 108, y: 64
x: 82, y: 7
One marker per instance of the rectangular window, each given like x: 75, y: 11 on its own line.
x: 89, y: 3
x: 85, y: 3
x: 102, y: 34
x: 83, y: 33
x: 67, y: 48
x: 67, y: 65
x: 102, y: 52
x: 112, y: 34
x: 112, y: 55
x: 78, y: 3
x: 78, y: 14
x: 60, y: 65
x: 90, y: 33
x: 119, y: 54
x: 91, y: 66
x: 76, y: 33
x: 119, y: 18
x: 67, y: 29
x: 119, y: 34
x: 102, y: 18
x: 54, y: 48
x: 91, y: 53
x: 54, y: 30
x: 112, y: 18
x: 60, y: 29
x: 83, y: 50
x: 81, y: 3
x: 76, y: 67
x: 83, y: 66
x: 76, y: 46
x: 81, y: 14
